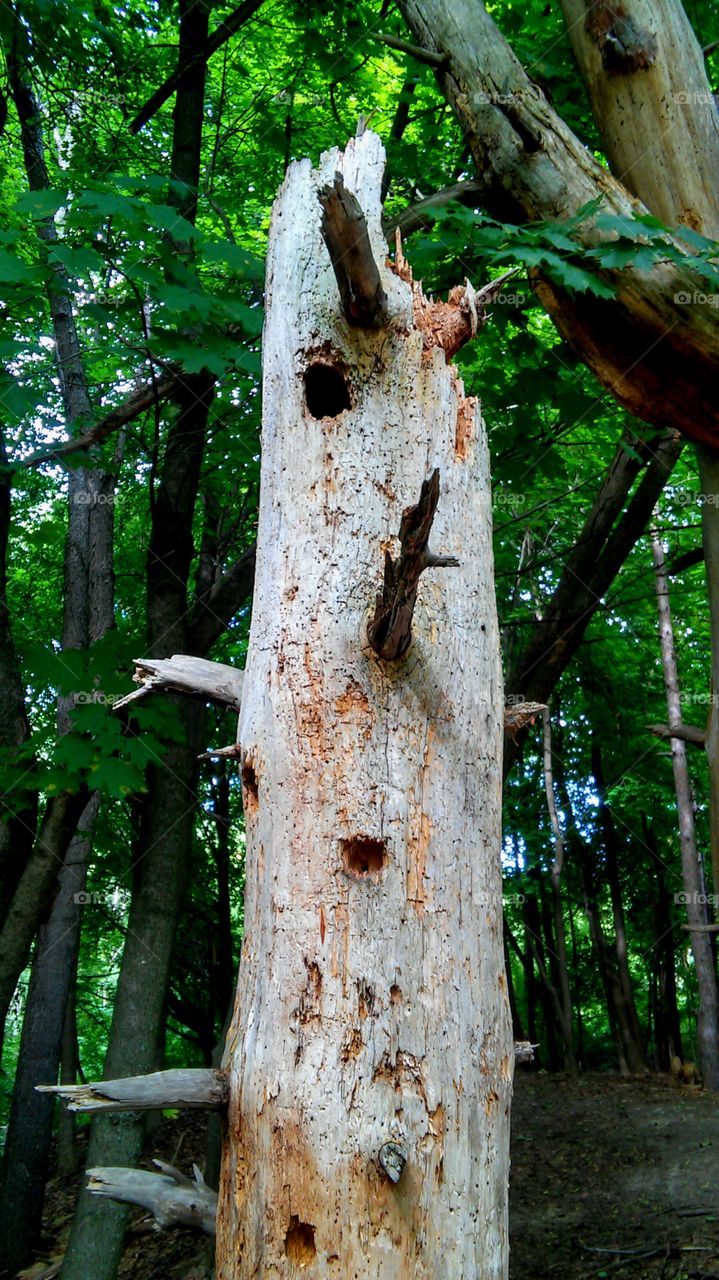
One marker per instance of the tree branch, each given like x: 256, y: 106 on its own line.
x: 143, y: 398
x: 189, y: 1088
x: 426, y: 56
x: 170, y: 1197
x: 422, y: 214
x: 344, y: 230
x: 182, y: 673
x: 390, y: 631
x: 224, y: 32
x: 685, y: 732
x: 212, y: 613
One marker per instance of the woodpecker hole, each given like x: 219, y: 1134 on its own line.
x: 326, y: 391
x: 249, y: 786
x: 363, y: 856
x: 300, y: 1242
x: 395, y: 994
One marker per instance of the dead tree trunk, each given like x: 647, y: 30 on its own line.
x: 370, y: 1053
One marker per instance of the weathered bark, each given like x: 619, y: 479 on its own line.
x: 344, y: 231
x: 658, y: 121
x: 182, y: 673
x: 668, y: 103
x: 188, y: 1087
x: 708, y: 1012
x: 658, y: 357
x: 372, y: 915
x: 172, y: 1199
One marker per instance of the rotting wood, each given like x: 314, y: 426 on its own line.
x: 188, y: 1088
x: 390, y: 631
x: 344, y: 230
x: 173, y: 1199
x: 184, y: 673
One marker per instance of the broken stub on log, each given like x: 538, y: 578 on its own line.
x: 370, y: 1054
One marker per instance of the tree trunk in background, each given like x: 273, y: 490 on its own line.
x: 628, y: 1017
x: 658, y: 358
x: 161, y: 856
x: 68, y: 1153
x: 27, y: 1145
x: 18, y: 806
x: 559, y: 950
x: 694, y: 895
x: 541, y: 986
x: 671, y: 103
x: 372, y: 1006
x: 667, y: 1027
x: 709, y: 476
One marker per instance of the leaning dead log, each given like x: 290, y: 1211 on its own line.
x: 190, y: 1088
x: 183, y: 673
x: 173, y: 1199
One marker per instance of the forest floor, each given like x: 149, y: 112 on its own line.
x: 610, y: 1178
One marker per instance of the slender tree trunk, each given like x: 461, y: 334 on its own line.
x: 628, y: 1017
x: 68, y: 1154
x: 544, y: 990
x: 162, y: 854
x: 563, y: 991
x: 667, y: 1026
x: 370, y: 1058
x: 27, y: 1146
x: 707, y: 1024
x: 18, y: 803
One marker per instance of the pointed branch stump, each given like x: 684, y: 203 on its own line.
x: 390, y: 631
x: 344, y: 230
x: 191, y: 1088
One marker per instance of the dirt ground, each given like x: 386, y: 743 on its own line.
x: 610, y: 1178
x: 613, y: 1178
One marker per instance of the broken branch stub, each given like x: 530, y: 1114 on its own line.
x: 390, y: 631
x: 173, y: 1199
x: 344, y: 231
